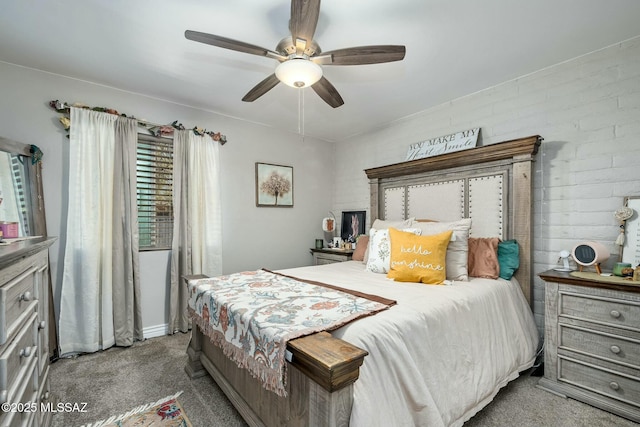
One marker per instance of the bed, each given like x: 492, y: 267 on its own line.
x: 442, y: 352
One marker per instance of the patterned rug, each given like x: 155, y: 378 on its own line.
x: 166, y: 412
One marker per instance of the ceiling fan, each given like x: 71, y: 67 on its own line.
x: 300, y: 55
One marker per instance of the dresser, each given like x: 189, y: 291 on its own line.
x: 592, y: 341
x: 24, y: 332
x: 329, y: 256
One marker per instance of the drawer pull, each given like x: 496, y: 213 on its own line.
x: 615, y: 349
x: 43, y: 325
x: 615, y: 314
x: 4, y: 395
x: 45, y: 396
x: 25, y: 352
x: 26, y: 296
x: 614, y: 385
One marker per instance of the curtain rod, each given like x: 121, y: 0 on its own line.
x: 64, y: 105
x: 156, y: 129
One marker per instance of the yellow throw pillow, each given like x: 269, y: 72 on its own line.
x: 418, y: 258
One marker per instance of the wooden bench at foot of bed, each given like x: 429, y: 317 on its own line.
x: 319, y: 384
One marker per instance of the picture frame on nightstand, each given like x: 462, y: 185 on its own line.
x: 353, y: 225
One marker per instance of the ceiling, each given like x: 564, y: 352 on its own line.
x: 454, y: 48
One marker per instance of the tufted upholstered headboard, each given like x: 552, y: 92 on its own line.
x: 492, y: 185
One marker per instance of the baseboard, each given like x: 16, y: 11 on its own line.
x: 155, y: 331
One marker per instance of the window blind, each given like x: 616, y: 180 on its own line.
x: 155, y: 192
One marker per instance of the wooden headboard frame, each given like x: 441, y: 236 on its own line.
x: 509, y: 163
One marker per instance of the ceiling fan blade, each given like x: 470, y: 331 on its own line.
x: 361, y: 55
x: 261, y: 88
x: 231, y: 44
x: 304, y: 19
x: 328, y: 92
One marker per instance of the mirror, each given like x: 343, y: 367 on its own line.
x: 631, y: 247
x: 21, y: 203
x: 15, y: 197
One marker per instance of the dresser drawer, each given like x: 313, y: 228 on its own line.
x: 16, y: 298
x: 602, y: 345
x: 323, y: 261
x: 604, y: 382
x: 46, y: 400
x: 19, y: 354
x: 605, y: 310
x: 27, y: 398
x: 321, y: 258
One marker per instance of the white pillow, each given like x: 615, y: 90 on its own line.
x: 380, y: 249
x: 379, y: 224
x: 458, y: 249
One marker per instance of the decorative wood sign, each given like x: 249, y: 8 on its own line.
x: 459, y: 141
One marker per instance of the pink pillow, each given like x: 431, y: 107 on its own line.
x: 361, y: 247
x: 483, y: 257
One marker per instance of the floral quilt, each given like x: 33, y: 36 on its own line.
x: 251, y: 316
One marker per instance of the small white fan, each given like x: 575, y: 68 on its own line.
x: 564, y: 256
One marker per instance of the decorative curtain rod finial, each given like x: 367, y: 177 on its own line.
x: 36, y: 154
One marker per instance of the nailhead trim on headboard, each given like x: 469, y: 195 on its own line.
x: 486, y: 195
x: 497, y: 181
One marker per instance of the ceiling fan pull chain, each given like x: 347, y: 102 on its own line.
x: 301, y: 113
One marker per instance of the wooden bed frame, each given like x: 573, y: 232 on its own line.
x: 323, y: 369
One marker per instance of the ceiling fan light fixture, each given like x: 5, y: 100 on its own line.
x: 298, y: 72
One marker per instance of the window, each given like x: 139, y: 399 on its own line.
x: 154, y: 192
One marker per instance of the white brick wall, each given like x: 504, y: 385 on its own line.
x: 588, y: 112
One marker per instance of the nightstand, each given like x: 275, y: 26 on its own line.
x: 592, y: 340
x: 329, y: 256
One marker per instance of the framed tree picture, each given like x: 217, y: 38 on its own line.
x: 274, y: 185
x: 353, y: 225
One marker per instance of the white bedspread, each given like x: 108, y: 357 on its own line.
x: 441, y: 354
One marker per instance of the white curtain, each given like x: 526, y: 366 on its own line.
x: 197, y: 218
x: 100, y: 304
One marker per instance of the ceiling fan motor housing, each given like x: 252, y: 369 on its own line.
x: 287, y: 47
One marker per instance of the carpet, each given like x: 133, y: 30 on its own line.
x: 166, y: 412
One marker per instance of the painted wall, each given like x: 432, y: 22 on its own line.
x: 252, y: 237
x: 587, y: 110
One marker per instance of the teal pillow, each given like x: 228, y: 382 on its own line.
x: 508, y: 258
